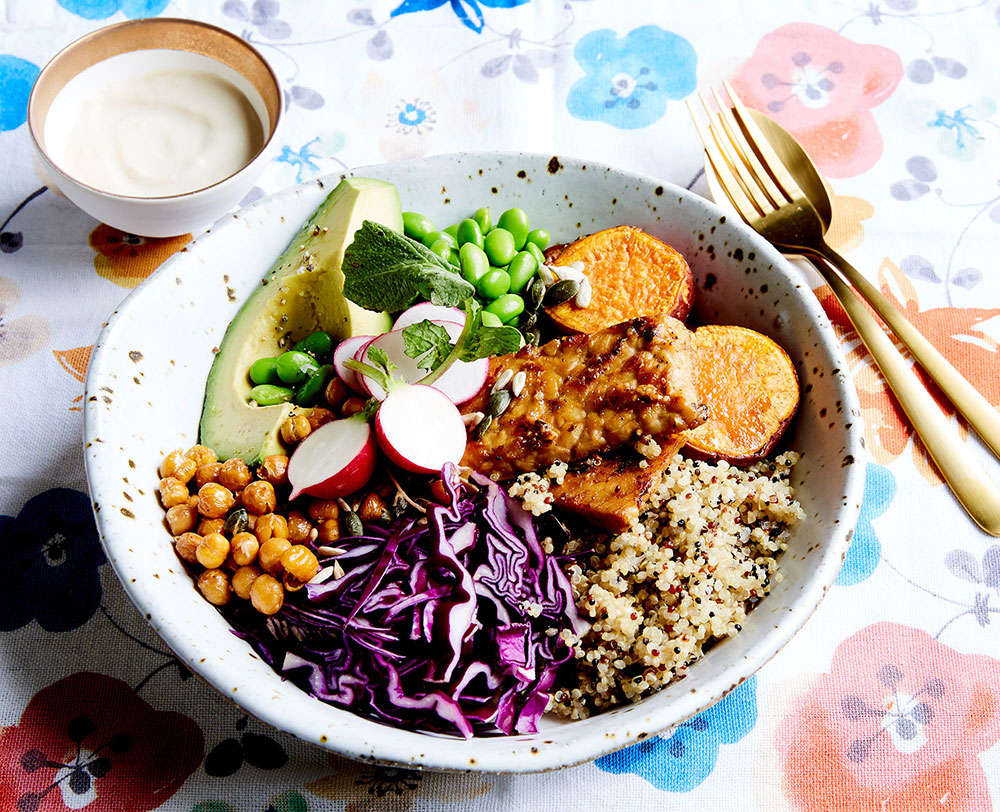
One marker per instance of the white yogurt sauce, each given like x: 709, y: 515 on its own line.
x: 165, y: 132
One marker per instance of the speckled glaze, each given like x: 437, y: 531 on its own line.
x: 145, y: 386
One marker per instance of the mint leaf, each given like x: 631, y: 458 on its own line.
x: 384, y: 270
x: 381, y: 358
x: 487, y: 341
x: 428, y: 342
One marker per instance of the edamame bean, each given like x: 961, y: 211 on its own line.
x: 434, y: 236
x: 516, y: 222
x: 540, y: 238
x: 507, y: 307
x: 522, y: 267
x: 491, y: 319
x: 484, y: 218
x: 499, y: 246
x: 416, y: 226
x: 264, y: 370
x: 310, y: 391
x: 494, y: 284
x: 445, y: 250
x: 469, y: 231
x: 295, y: 367
x: 267, y: 394
x: 318, y: 344
x: 473, y: 261
x: 535, y: 251
x: 452, y: 231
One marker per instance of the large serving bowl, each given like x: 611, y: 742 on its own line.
x: 145, y: 387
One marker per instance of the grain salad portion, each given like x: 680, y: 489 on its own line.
x: 697, y: 560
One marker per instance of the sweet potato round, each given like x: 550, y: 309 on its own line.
x: 631, y: 274
x: 751, y: 390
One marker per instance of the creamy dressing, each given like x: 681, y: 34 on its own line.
x: 165, y: 132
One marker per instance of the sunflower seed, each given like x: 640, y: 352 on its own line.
x: 546, y: 275
x: 472, y: 418
x: 502, y: 380
x: 338, y: 571
x: 499, y: 401
x: 584, y: 295
x: 321, y: 576
x: 517, y: 384
x: 569, y: 272
x: 324, y: 550
x: 561, y: 292
x: 481, y: 427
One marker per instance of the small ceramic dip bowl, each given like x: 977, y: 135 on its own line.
x: 157, y: 126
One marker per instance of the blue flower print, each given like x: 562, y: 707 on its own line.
x: 16, y: 78
x: 628, y: 80
x: 682, y: 762
x: 865, y: 551
x: 100, y: 9
x: 52, y: 555
x: 467, y: 11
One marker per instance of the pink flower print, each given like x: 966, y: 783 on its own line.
x: 821, y: 87
x: 897, y: 724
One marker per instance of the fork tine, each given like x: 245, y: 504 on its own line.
x: 746, y: 152
x: 730, y: 183
x: 763, y: 147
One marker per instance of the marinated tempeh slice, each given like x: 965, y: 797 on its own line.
x: 588, y: 394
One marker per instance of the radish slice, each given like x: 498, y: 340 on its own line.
x: 335, y: 460
x: 425, y: 311
x: 346, y: 349
x: 362, y: 380
x: 461, y: 382
x: 420, y: 429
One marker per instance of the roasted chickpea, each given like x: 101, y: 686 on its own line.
x: 182, y: 518
x: 352, y: 406
x: 214, y: 585
x: 187, y: 545
x: 234, y: 474
x: 291, y: 583
x: 212, y: 551
x: 320, y: 417
x: 322, y: 509
x: 176, y: 465
x: 207, y: 526
x: 266, y: 594
x: 244, y: 548
x: 173, y: 492
x: 295, y: 428
x: 300, y: 562
x: 300, y: 529
x: 259, y: 497
x: 439, y: 493
x: 201, y: 454
x: 214, y: 500
x: 207, y: 473
x: 243, y: 579
x: 372, y: 508
x: 270, y: 525
x: 336, y: 392
x: 269, y: 555
x: 328, y: 531
x: 274, y: 469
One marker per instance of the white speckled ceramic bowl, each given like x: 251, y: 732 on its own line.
x: 145, y: 385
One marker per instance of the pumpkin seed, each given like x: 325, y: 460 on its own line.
x: 561, y: 292
x: 528, y: 320
x: 499, y: 401
x: 481, y: 427
x: 535, y: 295
x: 533, y: 337
x: 236, y: 522
x: 353, y: 523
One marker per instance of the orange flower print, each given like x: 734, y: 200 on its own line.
x: 896, y: 725
x: 75, y: 361
x: 126, y: 259
x: 821, y: 87
x: 953, y: 331
x: 20, y: 336
x: 847, y: 231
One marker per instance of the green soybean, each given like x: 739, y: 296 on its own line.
x: 499, y: 246
x: 318, y: 344
x: 434, y: 236
x: 494, y: 284
x: 295, y: 367
x: 469, y: 231
x: 521, y: 269
x: 491, y: 319
x: 416, y: 226
x: 516, y: 222
x: 507, y: 307
x: 264, y: 370
x: 445, y: 250
x: 540, y: 238
x: 310, y: 391
x: 484, y: 219
x: 535, y: 251
x: 473, y: 261
x: 452, y: 231
x: 267, y: 394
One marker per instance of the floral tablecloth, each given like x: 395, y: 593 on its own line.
x: 889, y: 699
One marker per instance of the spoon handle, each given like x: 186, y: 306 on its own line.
x: 968, y: 482
x: 978, y: 411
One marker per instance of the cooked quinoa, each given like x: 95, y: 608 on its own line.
x: 684, y: 575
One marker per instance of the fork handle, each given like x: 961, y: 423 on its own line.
x: 979, y: 412
x: 969, y: 484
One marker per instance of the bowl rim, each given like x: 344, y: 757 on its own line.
x: 93, y: 37
x: 396, y: 747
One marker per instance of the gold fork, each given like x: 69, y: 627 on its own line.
x: 763, y: 191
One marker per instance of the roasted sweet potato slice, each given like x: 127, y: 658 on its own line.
x: 631, y: 274
x: 751, y: 390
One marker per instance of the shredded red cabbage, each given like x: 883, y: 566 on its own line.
x: 447, y: 624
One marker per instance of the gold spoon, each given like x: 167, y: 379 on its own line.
x: 979, y: 412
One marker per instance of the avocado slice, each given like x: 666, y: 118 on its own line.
x: 301, y: 293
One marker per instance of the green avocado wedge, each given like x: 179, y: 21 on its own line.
x: 302, y: 292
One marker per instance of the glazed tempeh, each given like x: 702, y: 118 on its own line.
x: 588, y: 394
